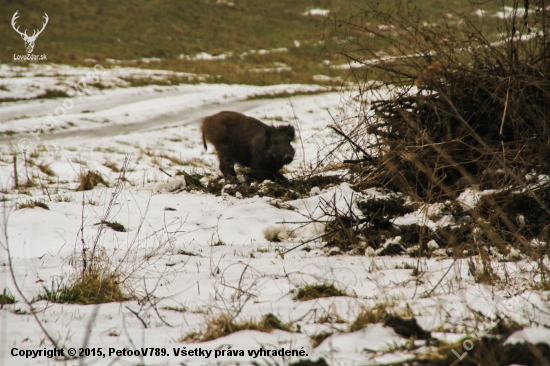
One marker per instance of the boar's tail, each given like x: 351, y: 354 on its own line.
x: 204, y: 143
x: 203, y: 137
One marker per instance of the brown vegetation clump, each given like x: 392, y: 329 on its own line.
x: 116, y: 226
x: 290, y: 190
x: 311, y: 292
x: 224, y: 325
x: 247, y: 141
x: 32, y: 204
x: 89, y: 180
x: 92, y: 286
x: 6, y: 298
x: 367, y: 316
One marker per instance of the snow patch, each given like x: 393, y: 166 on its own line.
x: 317, y: 12
x: 173, y: 184
x: 533, y: 334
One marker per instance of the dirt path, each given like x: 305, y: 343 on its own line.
x: 164, y: 120
x: 92, y: 103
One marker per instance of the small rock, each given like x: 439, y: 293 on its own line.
x: 369, y: 252
x: 513, y: 255
x: 538, y: 243
x: 392, y: 246
x: 334, y: 251
x: 272, y: 232
x: 432, y: 245
x: 406, y: 328
x: 314, y: 191
x: 520, y: 220
x: 362, y: 244
x: 465, y: 219
x: 173, y: 184
x: 441, y: 253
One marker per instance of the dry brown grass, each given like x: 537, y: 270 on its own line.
x: 224, y: 325
x: 373, y: 315
x: 45, y: 168
x: 90, y: 179
x: 93, y: 286
x: 310, y: 292
x: 32, y: 204
x: 112, y: 165
x: 318, y: 338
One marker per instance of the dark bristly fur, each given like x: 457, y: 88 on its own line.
x: 245, y: 140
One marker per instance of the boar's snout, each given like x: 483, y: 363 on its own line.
x: 285, y: 154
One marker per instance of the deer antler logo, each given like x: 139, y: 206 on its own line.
x: 29, y: 41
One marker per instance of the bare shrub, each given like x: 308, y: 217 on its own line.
x: 456, y: 108
x: 452, y: 106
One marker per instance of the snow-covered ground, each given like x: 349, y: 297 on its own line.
x: 191, y: 256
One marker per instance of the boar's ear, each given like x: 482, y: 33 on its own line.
x: 287, y: 130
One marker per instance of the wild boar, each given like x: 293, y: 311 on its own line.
x: 247, y: 141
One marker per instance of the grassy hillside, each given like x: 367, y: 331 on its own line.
x: 165, y: 29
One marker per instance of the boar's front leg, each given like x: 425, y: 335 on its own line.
x: 261, y: 175
x: 262, y: 168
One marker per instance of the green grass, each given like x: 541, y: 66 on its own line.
x: 130, y: 31
x: 6, y: 298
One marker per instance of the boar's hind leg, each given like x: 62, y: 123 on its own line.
x: 226, y: 162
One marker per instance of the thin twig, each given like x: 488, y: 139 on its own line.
x: 162, y: 170
x: 114, y: 195
x: 441, y: 279
x: 137, y: 316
